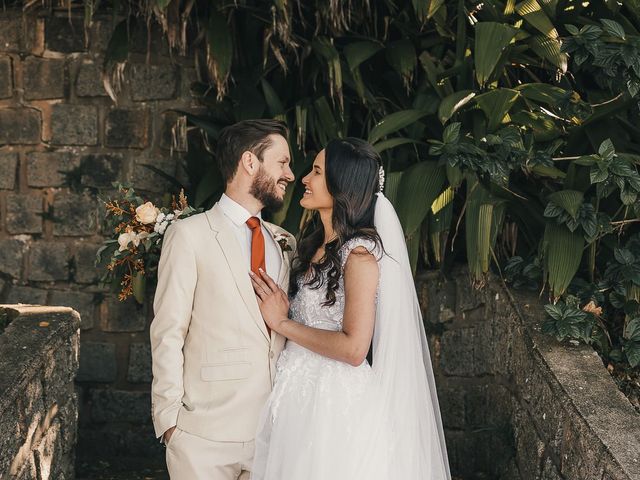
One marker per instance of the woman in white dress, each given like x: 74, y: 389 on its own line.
x: 332, y: 415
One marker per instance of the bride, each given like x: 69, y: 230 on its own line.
x: 332, y: 415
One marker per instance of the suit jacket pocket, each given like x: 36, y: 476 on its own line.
x: 225, y: 371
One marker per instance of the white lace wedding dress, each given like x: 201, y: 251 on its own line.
x: 315, y: 424
x: 327, y: 420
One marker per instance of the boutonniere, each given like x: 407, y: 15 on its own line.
x: 283, y: 240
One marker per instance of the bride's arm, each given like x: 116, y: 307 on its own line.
x: 349, y: 345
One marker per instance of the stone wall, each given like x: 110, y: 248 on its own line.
x: 63, y: 142
x: 38, y: 404
x: 516, y: 404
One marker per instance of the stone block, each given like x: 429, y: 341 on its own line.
x: 11, y: 254
x: 89, y: 80
x: 468, y: 297
x: 44, y: 78
x: 127, y: 128
x: 47, y: 169
x: 100, y: 35
x: 101, y: 170
x: 153, y: 82
x: 120, y: 406
x: 83, y: 303
x: 74, y: 124
x: 27, y: 295
x: 146, y: 179
x: 64, y: 34
x: 457, y: 352
x: 10, y: 34
x: 127, y: 316
x: 46, y: 452
x: 19, y: 126
x: 139, y: 363
x: 6, y: 77
x: 24, y: 213
x: 97, y: 362
x: 8, y: 169
x: 487, y: 406
x: 14, y: 436
x: 171, y: 127
x: 188, y: 77
x: 85, y: 257
x: 49, y: 262
x: 75, y: 215
x: 452, y: 407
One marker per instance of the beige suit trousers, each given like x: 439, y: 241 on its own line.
x: 190, y: 457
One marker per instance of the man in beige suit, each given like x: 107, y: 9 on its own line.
x: 213, y: 356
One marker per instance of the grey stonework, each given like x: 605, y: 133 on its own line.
x: 64, y: 34
x: 6, y: 77
x: 81, y: 302
x: 139, y: 363
x: 12, y: 251
x: 38, y: 404
x: 20, y: 126
x: 89, y: 80
x: 27, y: 295
x: 49, y: 261
x: 24, y: 213
x: 153, y: 82
x: 8, y: 164
x: 74, y: 124
x: 44, y: 78
x: 123, y: 316
x: 516, y: 404
x: 127, y: 128
x: 75, y: 215
x: 48, y: 169
x: 97, y: 362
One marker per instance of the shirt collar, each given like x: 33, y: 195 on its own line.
x: 236, y: 212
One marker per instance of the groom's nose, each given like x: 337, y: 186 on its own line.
x: 290, y: 177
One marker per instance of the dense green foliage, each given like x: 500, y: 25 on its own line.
x: 509, y: 131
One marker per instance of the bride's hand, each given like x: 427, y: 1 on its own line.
x: 272, y: 300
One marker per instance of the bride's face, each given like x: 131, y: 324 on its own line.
x: 316, y: 195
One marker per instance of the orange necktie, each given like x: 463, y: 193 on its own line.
x: 257, y: 249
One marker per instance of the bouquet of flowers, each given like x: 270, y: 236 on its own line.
x: 138, y: 228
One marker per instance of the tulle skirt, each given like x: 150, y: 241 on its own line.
x: 319, y: 424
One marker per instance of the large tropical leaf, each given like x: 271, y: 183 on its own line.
x: 496, y: 104
x: 419, y: 187
x: 562, y: 251
x: 491, y: 40
x: 451, y: 104
x: 219, y: 50
x: 533, y: 14
x: 394, y: 122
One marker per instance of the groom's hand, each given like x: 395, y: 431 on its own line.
x: 167, y: 435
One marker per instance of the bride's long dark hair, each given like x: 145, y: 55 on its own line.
x: 352, y: 177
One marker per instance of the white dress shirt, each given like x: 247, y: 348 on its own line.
x: 238, y: 216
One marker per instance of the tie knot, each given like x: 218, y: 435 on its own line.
x: 253, y: 223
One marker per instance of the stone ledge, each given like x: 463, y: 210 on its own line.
x: 599, y: 415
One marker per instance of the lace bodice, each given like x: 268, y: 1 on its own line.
x: 307, y: 306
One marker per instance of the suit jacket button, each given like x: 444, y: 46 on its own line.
x: 271, y: 354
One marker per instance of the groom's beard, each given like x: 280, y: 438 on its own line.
x: 264, y: 188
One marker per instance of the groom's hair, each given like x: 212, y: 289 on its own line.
x: 245, y: 136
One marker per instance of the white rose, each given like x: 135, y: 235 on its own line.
x: 160, y: 227
x: 160, y: 217
x: 124, y: 239
x: 147, y: 213
x: 169, y: 217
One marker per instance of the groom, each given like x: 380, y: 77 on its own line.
x: 213, y: 356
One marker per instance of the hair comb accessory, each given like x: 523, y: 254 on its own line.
x: 381, y: 178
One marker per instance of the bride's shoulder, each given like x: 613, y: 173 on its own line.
x: 360, y: 246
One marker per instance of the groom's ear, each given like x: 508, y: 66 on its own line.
x: 249, y: 163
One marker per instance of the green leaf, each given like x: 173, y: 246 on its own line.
x: 419, y: 187
x: 613, y: 28
x: 549, y: 49
x: 451, y: 134
x: 632, y: 352
x: 394, y: 142
x: 533, y: 14
x: 273, y: 101
x: 606, y: 150
x: 391, y: 186
x: 139, y: 282
x: 632, y: 330
x: 569, y: 200
x: 542, y: 93
x: 490, y: 40
x: 496, y: 104
x: 358, y: 52
x: 394, y: 122
x: 452, y: 103
x: 401, y: 55
x: 219, y: 45
x: 562, y: 253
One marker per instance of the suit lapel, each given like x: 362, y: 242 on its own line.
x: 285, y: 262
x: 237, y: 264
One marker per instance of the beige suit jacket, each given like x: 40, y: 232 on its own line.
x: 213, y: 361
